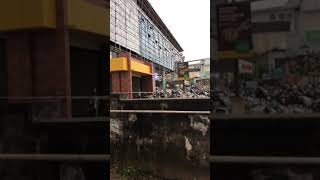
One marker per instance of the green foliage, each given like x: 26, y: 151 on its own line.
x: 132, y: 172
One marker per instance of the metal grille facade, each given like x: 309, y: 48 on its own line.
x: 132, y: 29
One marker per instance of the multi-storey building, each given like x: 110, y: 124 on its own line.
x: 136, y: 28
x: 199, y: 68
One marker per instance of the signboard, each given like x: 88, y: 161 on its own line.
x: 186, y: 75
x: 157, y: 77
x: 234, y: 30
x: 245, y: 67
x: 194, y: 70
x: 187, y: 83
x: 182, y: 68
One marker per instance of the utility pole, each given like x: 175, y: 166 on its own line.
x: 164, y: 87
x: 213, y: 42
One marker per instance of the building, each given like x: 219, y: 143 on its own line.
x: 141, y: 45
x: 284, y: 29
x: 199, y: 68
x: 199, y: 71
x: 281, y: 29
x: 52, y: 48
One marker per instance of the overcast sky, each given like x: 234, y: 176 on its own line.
x: 189, y: 22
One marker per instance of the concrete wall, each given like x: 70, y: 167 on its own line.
x: 167, y: 146
x: 172, y: 147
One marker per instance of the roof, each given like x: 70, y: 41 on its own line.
x: 152, y: 14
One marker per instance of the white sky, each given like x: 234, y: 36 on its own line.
x: 189, y: 22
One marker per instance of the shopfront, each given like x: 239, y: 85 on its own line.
x: 131, y: 76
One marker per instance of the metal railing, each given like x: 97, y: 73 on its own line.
x: 54, y: 106
x: 265, y: 160
x: 280, y: 116
x: 160, y: 112
x: 56, y: 157
x: 135, y: 95
x: 50, y: 109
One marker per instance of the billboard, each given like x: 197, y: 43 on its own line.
x: 245, y: 67
x: 234, y: 30
x: 182, y: 69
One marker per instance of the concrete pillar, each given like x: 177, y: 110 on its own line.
x: 19, y: 65
x: 50, y: 52
x: 153, y: 77
x: 164, y: 87
x: 129, y: 76
x: 125, y: 77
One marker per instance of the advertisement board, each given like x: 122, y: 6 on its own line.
x: 182, y: 69
x: 187, y: 83
x: 234, y: 30
x: 186, y: 75
x: 245, y: 67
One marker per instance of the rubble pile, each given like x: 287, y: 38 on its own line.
x: 282, y: 98
x: 193, y: 92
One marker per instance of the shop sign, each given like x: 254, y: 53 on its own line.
x: 245, y: 67
x: 186, y: 75
x: 187, y: 83
x: 182, y: 68
x: 234, y: 30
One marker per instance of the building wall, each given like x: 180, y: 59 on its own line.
x: 309, y: 23
x: 201, y: 69
x: 25, y: 14
x: 133, y: 29
x: 18, y: 65
x: 267, y: 41
x: 124, y: 24
x: 310, y: 5
x: 301, y: 21
x: 95, y: 11
x: 38, y: 61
